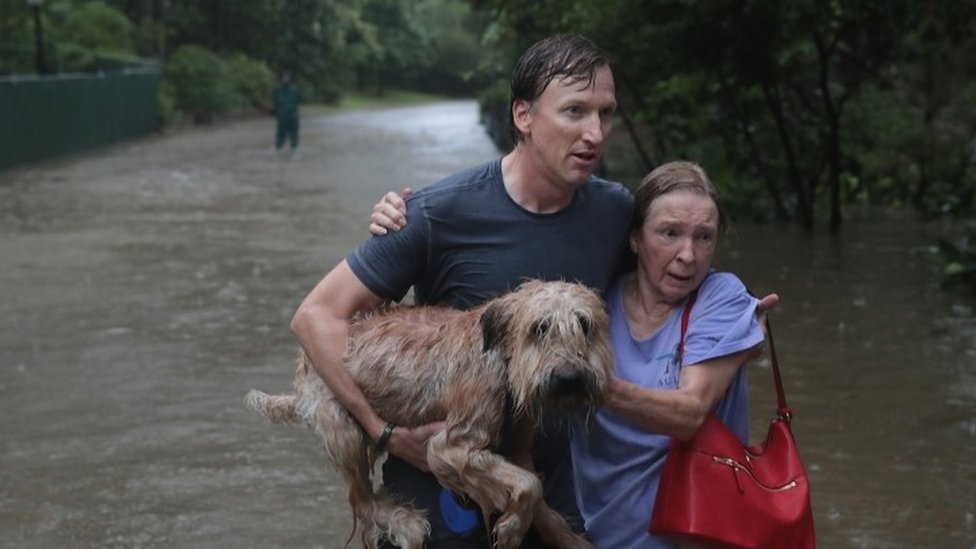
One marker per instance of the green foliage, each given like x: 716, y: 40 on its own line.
x: 150, y: 36
x: 804, y: 106
x: 199, y: 82
x: 908, y: 161
x: 77, y: 36
x: 448, y: 32
x: 166, y: 108
x: 329, y: 45
x: 16, y: 38
x: 202, y: 84
x: 251, y: 81
x: 801, y: 107
x: 89, y: 36
x: 428, y: 45
x: 93, y: 25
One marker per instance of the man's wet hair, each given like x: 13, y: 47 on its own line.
x: 570, y: 57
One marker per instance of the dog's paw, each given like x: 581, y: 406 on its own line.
x: 256, y: 401
x: 408, y: 528
x: 509, y: 531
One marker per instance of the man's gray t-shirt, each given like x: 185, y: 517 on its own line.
x: 467, y: 241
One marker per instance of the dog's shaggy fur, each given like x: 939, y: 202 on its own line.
x: 545, y: 344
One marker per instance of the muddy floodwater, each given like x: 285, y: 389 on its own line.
x: 145, y: 288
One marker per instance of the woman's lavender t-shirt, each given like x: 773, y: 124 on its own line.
x: 617, y: 465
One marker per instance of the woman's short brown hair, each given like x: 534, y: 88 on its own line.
x: 674, y: 176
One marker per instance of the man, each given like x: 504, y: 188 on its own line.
x: 285, y: 101
x: 535, y: 213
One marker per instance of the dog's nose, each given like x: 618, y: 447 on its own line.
x: 567, y: 382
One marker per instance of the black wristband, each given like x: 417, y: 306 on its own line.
x: 384, y: 438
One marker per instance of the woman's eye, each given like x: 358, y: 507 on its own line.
x: 706, y: 239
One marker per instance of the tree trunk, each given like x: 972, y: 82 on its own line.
x: 833, y: 136
x: 662, y: 149
x: 635, y: 139
x: 804, y: 204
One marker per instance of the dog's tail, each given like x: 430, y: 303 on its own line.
x: 276, y: 408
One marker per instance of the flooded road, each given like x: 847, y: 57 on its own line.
x: 145, y: 289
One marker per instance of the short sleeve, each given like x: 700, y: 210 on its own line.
x: 390, y: 264
x: 723, y: 320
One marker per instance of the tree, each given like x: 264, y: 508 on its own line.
x: 90, y: 36
x: 16, y: 38
x: 914, y: 130
x: 760, y: 89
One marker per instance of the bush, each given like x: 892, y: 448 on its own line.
x: 167, y: 104
x: 198, y: 79
x: 251, y: 81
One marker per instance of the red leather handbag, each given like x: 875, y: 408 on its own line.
x: 715, y: 490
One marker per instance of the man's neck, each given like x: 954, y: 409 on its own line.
x: 529, y: 187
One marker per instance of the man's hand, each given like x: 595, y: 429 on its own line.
x: 410, y: 444
x: 389, y: 214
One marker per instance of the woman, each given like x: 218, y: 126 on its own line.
x: 619, y: 453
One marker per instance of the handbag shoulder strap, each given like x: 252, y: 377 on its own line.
x: 684, y: 325
x: 782, y: 410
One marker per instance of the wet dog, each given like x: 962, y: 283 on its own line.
x: 543, y: 347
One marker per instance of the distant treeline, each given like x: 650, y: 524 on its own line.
x: 801, y: 109
x: 222, y: 55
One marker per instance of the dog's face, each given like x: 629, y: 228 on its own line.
x: 554, y: 339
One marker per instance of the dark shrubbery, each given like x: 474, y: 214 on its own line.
x: 201, y: 84
x: 493, y: 104
x: 91, y: 36
x: 251, y: 82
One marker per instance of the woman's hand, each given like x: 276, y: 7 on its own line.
x: 410, y: 443
x: 765, y: 305
x: 389, y: 214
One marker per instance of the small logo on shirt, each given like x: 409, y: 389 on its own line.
x: 669, y: 376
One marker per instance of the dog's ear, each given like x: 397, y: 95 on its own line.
x: 493, y: 326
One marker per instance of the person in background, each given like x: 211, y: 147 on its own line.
x: 537, y: 212
x: 285, y: 101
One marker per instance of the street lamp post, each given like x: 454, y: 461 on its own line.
x: 39, y: 63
